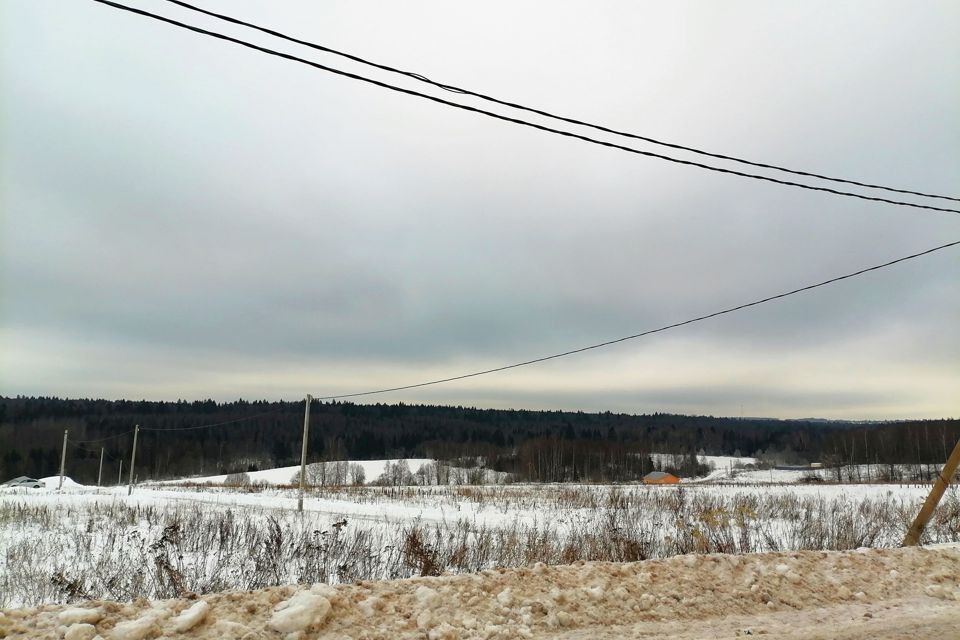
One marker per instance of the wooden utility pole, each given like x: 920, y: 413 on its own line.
x: 133, y: 458
x: 939, y: 487
x: 303, y: 451
x: 100, y: 472
x: 120, y: 473
x: 63, y: 458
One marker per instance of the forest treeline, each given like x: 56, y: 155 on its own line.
x: 545, y: 446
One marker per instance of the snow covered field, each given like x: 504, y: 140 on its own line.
x: 169, y: 539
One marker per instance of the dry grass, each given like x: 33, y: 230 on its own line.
x: 66, y: 552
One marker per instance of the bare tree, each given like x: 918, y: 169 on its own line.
x: 357, y: 475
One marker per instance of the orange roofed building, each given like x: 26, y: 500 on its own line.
x: 660, y: 477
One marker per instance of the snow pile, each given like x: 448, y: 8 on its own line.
x: 79, y: 623
x: 865, y: 593
x: 52, y: 482
x: 137, y: 629
x: 306, y: 610
x: 80, y: 615
x: 80, y: 631
x: 191, y: 617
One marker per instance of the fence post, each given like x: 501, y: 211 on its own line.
x: 303, y: 451
x: 939, y: 487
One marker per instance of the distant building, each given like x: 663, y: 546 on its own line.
x: 660, y: 477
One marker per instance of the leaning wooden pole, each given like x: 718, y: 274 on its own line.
x: 133, y: 458
x: 939, y: 487
x: 63, y: 459
x: 303, y: 450
x: 100, y: 472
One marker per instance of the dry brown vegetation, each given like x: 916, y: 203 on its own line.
x: 72, y: 551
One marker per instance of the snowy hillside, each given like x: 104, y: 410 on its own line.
x: 373, y: 470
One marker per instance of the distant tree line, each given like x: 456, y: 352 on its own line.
x: 535, y: 445
x: 907, y: 450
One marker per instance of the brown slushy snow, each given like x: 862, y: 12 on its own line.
x: 892, y: 593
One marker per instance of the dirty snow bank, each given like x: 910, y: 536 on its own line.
x: 862, y: 589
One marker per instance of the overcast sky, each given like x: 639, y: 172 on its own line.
x: 185, y: 218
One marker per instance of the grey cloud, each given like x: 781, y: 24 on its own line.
x: 172, y: 194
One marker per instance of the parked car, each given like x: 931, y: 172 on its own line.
x: 24, y: 481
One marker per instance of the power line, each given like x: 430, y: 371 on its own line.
x: 202, y: 426
x: 105, y: 453
x: 460, y: 90
x: 119, y: 435
x: 645, y: 333
x: 517, y: 121
x: 217, y: 424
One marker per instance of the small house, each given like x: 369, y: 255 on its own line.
x: 660, y: 477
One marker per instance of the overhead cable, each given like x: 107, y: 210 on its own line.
x: 517, y: 121
x: 648, y: 332
x: 216, y: 424
x: 460, y: 90
x: 92, y: 451
x: 118, y: 435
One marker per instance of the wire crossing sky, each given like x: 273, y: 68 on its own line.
x: 184, y: 220
x: 649, y: 331
x: 566, y: 353
x: 518, y: 121
x: 455, y: 89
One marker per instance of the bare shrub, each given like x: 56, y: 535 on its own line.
x: 74, y: 550
x: 241, y: 479
x: 418, y: 555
